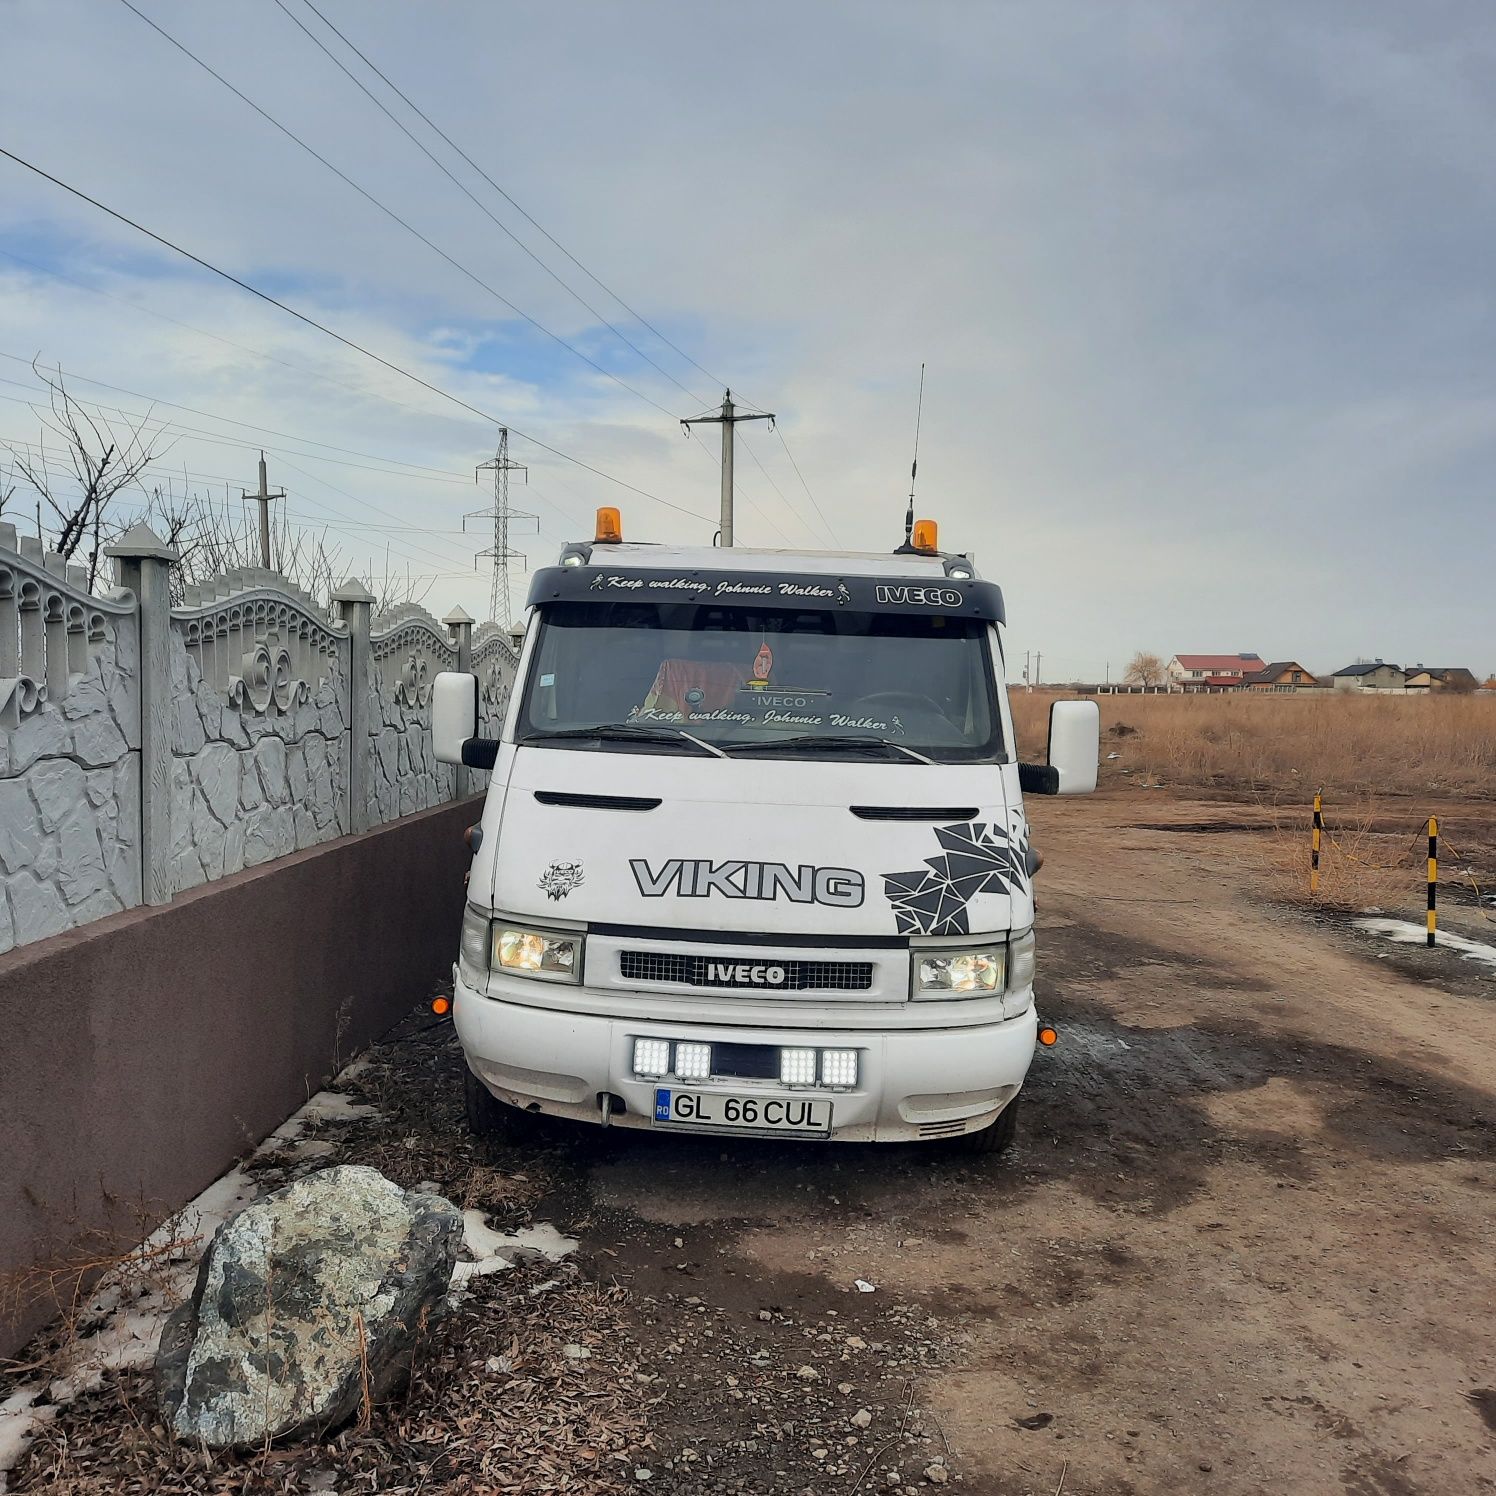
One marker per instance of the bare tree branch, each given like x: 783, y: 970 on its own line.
x: 104, y: 458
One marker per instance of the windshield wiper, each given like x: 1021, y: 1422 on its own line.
x: 624, y: 732
x: 842, y: 743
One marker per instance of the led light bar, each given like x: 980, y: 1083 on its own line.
x: 651, y: 1057
x: 838, y: 1067
x: 693, y: 1061
x: 797, y: 1067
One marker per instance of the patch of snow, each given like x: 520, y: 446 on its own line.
x: 335, y: 1106
x: 1405, y: 932
x: 353, y: 1069
x: 495, y: 1251
x: 325, y: 1106
x: 19, y: 1418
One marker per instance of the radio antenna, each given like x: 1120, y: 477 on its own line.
x: 919, y: 412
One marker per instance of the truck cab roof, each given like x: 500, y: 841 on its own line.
x: 647, y: 557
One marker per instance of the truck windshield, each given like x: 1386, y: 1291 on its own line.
x: 801, y: 682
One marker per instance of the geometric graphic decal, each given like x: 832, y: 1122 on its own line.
x: 975, y: 858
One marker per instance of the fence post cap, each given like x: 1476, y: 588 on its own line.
x: 141, y: 542
x: 456, y: 617
x: 353, y: 591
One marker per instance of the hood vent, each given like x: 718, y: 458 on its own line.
x: 596, y: 802
x: 915, y: 812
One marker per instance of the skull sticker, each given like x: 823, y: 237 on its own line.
x: 560, y: 878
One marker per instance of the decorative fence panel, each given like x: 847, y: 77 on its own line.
x: 407, y: 648
x: 69, y: 746
x: 146, y: 749
x: 259, y: 722
x: 494, y: 662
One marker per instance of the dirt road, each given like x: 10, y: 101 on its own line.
x: 1244, y: 1244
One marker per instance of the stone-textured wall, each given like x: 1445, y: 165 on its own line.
x: 247, y: 786
x: 69, y: 749
x: 494, y: 663
x: 143, y: 1054
x: 404, y: 775
x: 148, y: 749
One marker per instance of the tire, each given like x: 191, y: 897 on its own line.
x: 487, y: 1116
x: 993, y: 1139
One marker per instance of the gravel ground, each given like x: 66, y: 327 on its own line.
x: 1242, y: 1244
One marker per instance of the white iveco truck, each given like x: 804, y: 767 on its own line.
x: 754, y: 858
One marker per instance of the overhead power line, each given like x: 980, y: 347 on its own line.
x: 347, y: 342
x: 51, y: 462
x: 389, y: 212
x: 503, y: 227
x: 462, y: 187
x: 803, y: 484
x: 213, y: 438
x: 202, y: 332
x: 551, y: 238
x: 308, y: 441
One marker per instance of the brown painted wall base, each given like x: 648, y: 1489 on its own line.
x: 142, y: 1054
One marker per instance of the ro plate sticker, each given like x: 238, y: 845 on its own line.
x: 662, y: 1106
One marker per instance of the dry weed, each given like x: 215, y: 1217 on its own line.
x: 1355, y: 746
x: 100, y: 1269
x: 1360, y: 866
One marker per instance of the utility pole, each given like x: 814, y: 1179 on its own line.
x: 263, y: 498
x: 1038, y: 668
x: 727, y: 418
x: 499, y: 605
x: 1028, y: 685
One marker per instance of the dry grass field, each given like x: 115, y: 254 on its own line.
x: 1357, y: 748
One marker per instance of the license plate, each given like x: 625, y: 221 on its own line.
x: 753, y: 1113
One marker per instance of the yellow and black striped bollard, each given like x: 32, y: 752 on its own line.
x: 1433, y: 877
x: 1314, y: 836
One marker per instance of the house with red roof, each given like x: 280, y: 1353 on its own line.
x: 1212, y: 672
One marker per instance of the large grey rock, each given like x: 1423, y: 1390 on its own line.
x: 297, y: 1296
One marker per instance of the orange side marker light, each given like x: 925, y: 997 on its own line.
x: 441, y: 1006
x: 1048, y: 1036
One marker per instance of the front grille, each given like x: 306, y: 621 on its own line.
x: 716, y: 971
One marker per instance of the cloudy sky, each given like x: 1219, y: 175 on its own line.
x: 1204, y: 289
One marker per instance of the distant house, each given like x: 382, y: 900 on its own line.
x: 1370, y: 675
x: 1202, y: 672
x: 1281, y: 675
x: 1441, y: 678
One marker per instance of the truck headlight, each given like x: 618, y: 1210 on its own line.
x: 952, y: 972
x: 1021, y: 961
x: 472, y: 945
x: 547, y: 954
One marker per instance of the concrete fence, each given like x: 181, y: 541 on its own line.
x: 228, y: 859
x: 147, y: 749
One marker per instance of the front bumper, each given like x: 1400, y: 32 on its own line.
x: 913, y: 1083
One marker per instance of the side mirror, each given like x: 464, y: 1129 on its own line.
x: 1074, y: 751
x: 454, y: 722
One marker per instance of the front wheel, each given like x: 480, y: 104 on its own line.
x: 995, y: 1138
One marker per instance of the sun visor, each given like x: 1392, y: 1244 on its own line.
x: 949, y: 596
